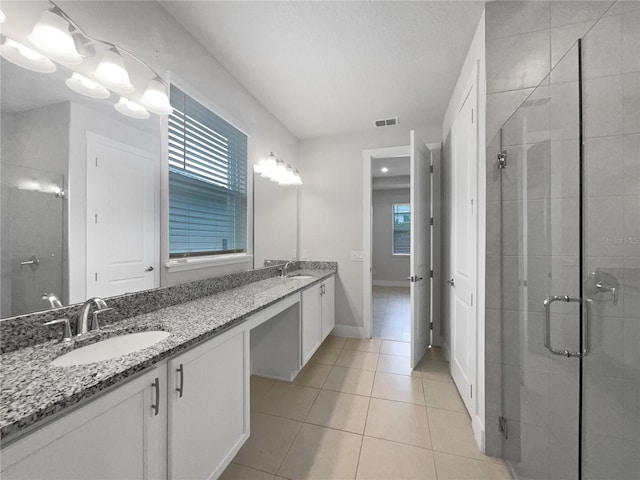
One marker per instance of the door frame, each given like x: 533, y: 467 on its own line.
x: 367, y: 225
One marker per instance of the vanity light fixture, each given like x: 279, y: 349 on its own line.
x: 131, y: 109
x: 26, y: 57
x: 85, y: 86
x: 384, y: 169
x: 155, y: 98
x: 274, y: 169
x: 51, y: 36
x: 112, y: 74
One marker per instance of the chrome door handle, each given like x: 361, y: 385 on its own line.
x: 547, y: 326
x: 451, y: 283
x: 33, y: 262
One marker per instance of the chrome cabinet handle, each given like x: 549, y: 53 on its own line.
x: 547, y: 326
x: 180, y: 389
x: 149, y: 269
x: 156, y: 406
x: 451, y: 283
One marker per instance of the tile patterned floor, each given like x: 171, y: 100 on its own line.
x: 391, y: 318
x: 357, y: 411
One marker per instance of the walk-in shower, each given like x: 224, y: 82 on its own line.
x: 568, y: 249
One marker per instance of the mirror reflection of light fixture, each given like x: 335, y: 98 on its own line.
x: 274, y: 169
x: 112, y: 74
x: 155, y: 98
x: 25, y: 57
x: 131, y: 109
x: 85, y: 86
x: 51, y: 37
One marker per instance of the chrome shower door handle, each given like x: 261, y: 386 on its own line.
x: 547, y: 326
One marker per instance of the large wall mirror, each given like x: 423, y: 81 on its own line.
x: 50, y: 139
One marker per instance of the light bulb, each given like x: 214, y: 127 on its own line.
x: 155, y: 98
x: 131, y: 109
x: 112, y: 73
x: 269, y: 166
x: 25, y: 57
x: 85, y: 86
x: 51, y: 36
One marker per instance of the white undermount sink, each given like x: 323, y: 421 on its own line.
x: 110, y: 348
x: 301, y: 277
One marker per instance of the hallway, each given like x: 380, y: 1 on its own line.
x: 358, y: 411
x: 391, y: 313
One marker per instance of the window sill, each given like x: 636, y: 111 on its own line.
x: 183, y: 264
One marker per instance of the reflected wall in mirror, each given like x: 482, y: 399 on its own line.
x: 275, y: 221
x: 73, y: 176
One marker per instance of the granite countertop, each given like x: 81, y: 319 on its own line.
x: 33, y: 389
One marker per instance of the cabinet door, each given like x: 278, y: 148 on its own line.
x: 209, y: 406
x: 311, y: 322
x: 113, y: 437
x: 328, y: 306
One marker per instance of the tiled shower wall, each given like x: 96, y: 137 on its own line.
x: 524, y: 40
x: 611, y: 371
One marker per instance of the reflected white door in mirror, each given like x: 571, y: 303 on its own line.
x: 121, y: 213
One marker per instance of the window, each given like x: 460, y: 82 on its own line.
x: 207, y: 182
x: 401, y: 229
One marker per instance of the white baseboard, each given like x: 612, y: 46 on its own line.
x: 391, y: 283
x: 348, y: 331
x: 446, y: 351
x: 478, y: 432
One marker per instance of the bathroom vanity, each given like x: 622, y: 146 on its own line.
x: 177, y: 409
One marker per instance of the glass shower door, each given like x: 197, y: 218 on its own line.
x: 537, y: 154
x: 611, y: 249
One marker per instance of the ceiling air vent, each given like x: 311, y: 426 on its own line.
x: 387, y: 122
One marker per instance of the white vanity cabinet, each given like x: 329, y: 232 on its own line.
x: 209, y: 406
x: 328, y: 306
x: 318, y: 316
x: 119, y: 435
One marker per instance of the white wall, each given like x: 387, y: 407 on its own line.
x: 475, y: 59
x: 388, y: 269
x: 330, y: 208
x: 147, y: 29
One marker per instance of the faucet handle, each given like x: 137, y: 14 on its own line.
x: 94, y: 322
x: 66, y: 334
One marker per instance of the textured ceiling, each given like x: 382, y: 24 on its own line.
x: 325, y: 68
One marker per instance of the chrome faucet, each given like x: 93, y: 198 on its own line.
x: 83, y: 326
x: 285, y: 269
x: 53, y: 300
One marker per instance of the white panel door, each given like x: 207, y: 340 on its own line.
x: 420, y: 249
x: 121, y: 212
x: 463, y: 249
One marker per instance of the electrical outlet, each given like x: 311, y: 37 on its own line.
x: 357, y: 256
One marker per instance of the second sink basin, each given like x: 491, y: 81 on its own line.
x: 110, y: 348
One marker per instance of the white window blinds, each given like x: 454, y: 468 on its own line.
x: 207, y: 181
x: 401, y: 229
